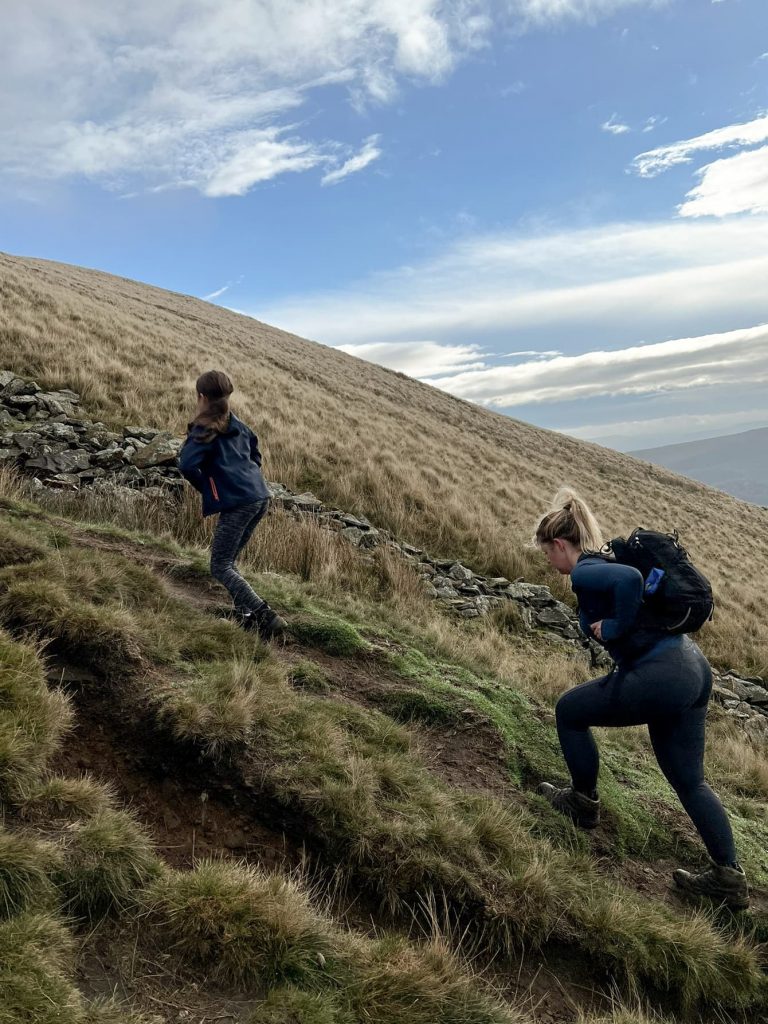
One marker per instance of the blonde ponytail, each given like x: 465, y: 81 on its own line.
x: 571, y: 519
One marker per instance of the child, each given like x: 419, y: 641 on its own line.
x: 221, y: 459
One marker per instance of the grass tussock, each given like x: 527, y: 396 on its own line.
x: 60, y: 798
x: 240, y: 926
x: 107, y: 859
x: 32, y: 718
x: 219, y: 703
x: 291, y: 1005
x: 25, y: 868
x: 36, y: 962
x: 308, y: 675
x: 16, y: 546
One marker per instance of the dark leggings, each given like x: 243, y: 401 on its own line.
x: 667, y: 689
x: 233, y: 531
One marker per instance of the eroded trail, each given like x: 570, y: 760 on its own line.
x: 466, y: 751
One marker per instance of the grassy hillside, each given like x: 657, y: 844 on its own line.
x: 343, y: 815
x: 436, y: 470
x: 340, y: 829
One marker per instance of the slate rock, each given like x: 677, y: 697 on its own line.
x: 163, y: 447
x: 460, y: 573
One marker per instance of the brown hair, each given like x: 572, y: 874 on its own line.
x: 216, y: 387
x: 571, y: 519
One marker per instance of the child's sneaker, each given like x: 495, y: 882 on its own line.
x: 265, y: 622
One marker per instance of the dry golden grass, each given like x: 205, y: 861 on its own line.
x: 437, y: 471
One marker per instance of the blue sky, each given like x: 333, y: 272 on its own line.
x: 556, y: 208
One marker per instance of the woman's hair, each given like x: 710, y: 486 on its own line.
x: 571, y: 519
x: 216, y: 387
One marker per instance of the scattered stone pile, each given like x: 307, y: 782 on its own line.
x: 469, y: 594
x: 48, y: 437
x: 745, y: 700
x: 45, y: 434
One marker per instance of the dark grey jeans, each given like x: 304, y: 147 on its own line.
x: 233, y: 531
x: 668, y: 690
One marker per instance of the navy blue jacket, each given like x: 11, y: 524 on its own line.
x: 613, y: 593
x: 226, y: 468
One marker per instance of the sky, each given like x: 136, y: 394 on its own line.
x: 557, y: 209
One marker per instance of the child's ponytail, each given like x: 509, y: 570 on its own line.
x: 216, y: 387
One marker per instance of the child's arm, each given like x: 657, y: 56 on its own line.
x: 192, y: 459
x: 255, y: 451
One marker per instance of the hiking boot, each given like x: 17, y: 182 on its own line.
x: 266, y: 622
x: 581, y: 809
x: 719, y: 882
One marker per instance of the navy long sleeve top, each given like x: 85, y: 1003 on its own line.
x: 613, y: 593
x: 225, y: 468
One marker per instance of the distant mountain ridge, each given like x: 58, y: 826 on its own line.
x: 735, y: 463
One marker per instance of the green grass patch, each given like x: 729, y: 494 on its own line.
x: 412, y: 705
x: 308, y: 675
x: 328, y: 633
x: 18, y: 547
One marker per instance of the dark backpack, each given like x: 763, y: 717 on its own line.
x: 678, y: 597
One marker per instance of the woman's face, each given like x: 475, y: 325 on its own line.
x: 561, y: 555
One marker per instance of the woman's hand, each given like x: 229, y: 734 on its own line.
x: 597, y: 629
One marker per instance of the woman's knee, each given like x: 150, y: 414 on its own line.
x: 567, y: 709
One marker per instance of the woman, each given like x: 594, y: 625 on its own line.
x: 659, y: 680
x: 221, y: 459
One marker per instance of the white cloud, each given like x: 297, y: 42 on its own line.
x: 732, y: 359
x: 419, y: 358
x: 366, y: 156
x: 737, y: 184
x: 190, y: 93
x: 655, y: 161
x: 220, y: 291
x: 636, y: 434
x: 253, y: 156
x: 613, y: 126
x: 588, y: 10
x: 494, y: 290
x: 653, y: 122
x: 215, y: 295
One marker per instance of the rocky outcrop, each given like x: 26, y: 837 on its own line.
x: 47, y: 435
